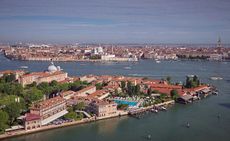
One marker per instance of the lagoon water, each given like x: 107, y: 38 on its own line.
x: 164, y: 126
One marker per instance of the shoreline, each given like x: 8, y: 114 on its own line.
x: 75, y: 123
x: 106, y: 61
x: 99, y: 60
x: 63, y: 125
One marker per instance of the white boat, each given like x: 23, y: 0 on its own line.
x: 82, y: 64
x: 24, y: 67
x: 163, y: 108
x: 216, y: 78
x: 127, y: 68
x: 157, y: 61
x: 154, y: 110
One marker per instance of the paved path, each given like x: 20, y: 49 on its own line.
x: 85, y: 113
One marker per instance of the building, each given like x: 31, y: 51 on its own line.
x: 53, y: 73
x: 219, y: 44
x: 17, y: 73
x: 112, y: 57
x: 99, y: 94
x: 50, y: 109
x: 67, y: 94
x: 32, y: 121
x: 185, y: 99
x: 216, y: 57
x: 166, y: 88
x: 98, y: 50
x: 86, y: 91
x: 103, y: 108
x: 88, y: 78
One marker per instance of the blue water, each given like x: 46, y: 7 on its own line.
x: 164, y: 126
x: 130, y: 103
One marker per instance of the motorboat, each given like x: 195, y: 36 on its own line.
x: 24, y: 67
x: 157, y: 61
x: 163, y: 108
x: 127, y: 68
x: 216, y: 78
x: 154, y: 110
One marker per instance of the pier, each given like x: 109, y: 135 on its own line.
x: 139, y: 111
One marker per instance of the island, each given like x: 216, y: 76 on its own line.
x: 38, y: 101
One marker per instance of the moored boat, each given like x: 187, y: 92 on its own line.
x: 216, y: 78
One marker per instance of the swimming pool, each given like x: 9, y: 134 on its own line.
x: 130, y: 103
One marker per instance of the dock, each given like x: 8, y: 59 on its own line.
x: 138, y: 111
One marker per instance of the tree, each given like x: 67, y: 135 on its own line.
x: 71, y: 115
x: 192, y: 82
x: 174, y: 94
x: 98, y: 86
x: 79, y: 106
x: 116, y: 92
x: 64, y: 86
x: 149, y: 91
x: 3, y: 121
x: 8, y: 78
x: 13, y: 110
x: 122, y: 106
x: 33, y: 94
x: 84, y: 83
x: 95, y: 57
x: 188, y: 83
x: 163, y: 96
x: 145, y: 78
x: 123, y: 84
x: 195, y: 78
x: 80, y: 116
x: 53, y: 83
x: 168, y: 79
x: 75, y: 86
x: 11, y: 88
x: 44, y: 87
x: 137, y: 89
x: 129, y: 88
x: 7, y: 99
x: 34, y: 84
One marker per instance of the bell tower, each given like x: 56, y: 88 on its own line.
x: 219, y: 44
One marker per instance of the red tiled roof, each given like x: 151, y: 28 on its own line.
x: 43, y: 74
x: 47, y: 103
x: 165, y: 88
x: 86, y: 89
x: 196, y: 88
x: 98, y: 93
x: 11, y: 71
x: 101, y: 102
x: 31, y: 117
x: 65, y: 93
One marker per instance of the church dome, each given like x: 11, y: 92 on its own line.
x: 52, y: 67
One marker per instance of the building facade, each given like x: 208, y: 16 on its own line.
x: 32, y: 121
x: 52, y: 73
x: 103, y: 108
x: 50, y: 109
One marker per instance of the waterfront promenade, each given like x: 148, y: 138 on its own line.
x: 49, y: 127
x: 140, y: 110
x: 83, y: 121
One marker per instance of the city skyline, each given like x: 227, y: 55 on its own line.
x: 102, y: 21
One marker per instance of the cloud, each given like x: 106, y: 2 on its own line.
x: 123, y: 18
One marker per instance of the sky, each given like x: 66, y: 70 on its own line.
x: 114, y: 21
